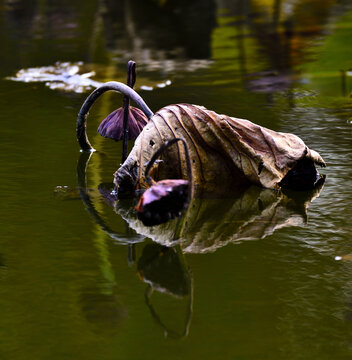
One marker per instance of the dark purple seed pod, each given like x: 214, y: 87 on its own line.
x: 112, y: 126
x: 163, y: 201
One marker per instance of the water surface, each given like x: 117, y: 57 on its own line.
x: 256, y: 275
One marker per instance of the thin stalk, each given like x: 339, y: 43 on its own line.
x: 131, y: 79
x: 83, y: 113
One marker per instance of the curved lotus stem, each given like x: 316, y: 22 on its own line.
x: 83, y: 113
x: 188, y: 161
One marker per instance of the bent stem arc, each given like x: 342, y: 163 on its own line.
x: 81, y: 132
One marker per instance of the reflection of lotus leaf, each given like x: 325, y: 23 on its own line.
x: 212, y: 223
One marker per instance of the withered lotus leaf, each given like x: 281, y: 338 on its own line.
x: 225, y: 151
x: 112, y: 126
x: 162, y: 201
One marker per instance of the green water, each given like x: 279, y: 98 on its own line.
x: 255, y: 276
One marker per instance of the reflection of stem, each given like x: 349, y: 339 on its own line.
x: 181, y: 223
x: 106, y: 267
x: 83, y: 113
x: 276, y: 14
x: 169, y: 332
x: 83, y: 192
x: 133, y: 35
x: 82, y: 186
x: 240, y: 41
x: 131, y: 254
x: 97, y: 27
x: 343, y: 82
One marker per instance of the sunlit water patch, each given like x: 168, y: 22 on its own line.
x: 62, y: 76
x: 70, y: 77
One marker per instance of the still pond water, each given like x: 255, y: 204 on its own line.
x: 257, y: 276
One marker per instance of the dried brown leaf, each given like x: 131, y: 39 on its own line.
x: 225, y: 152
